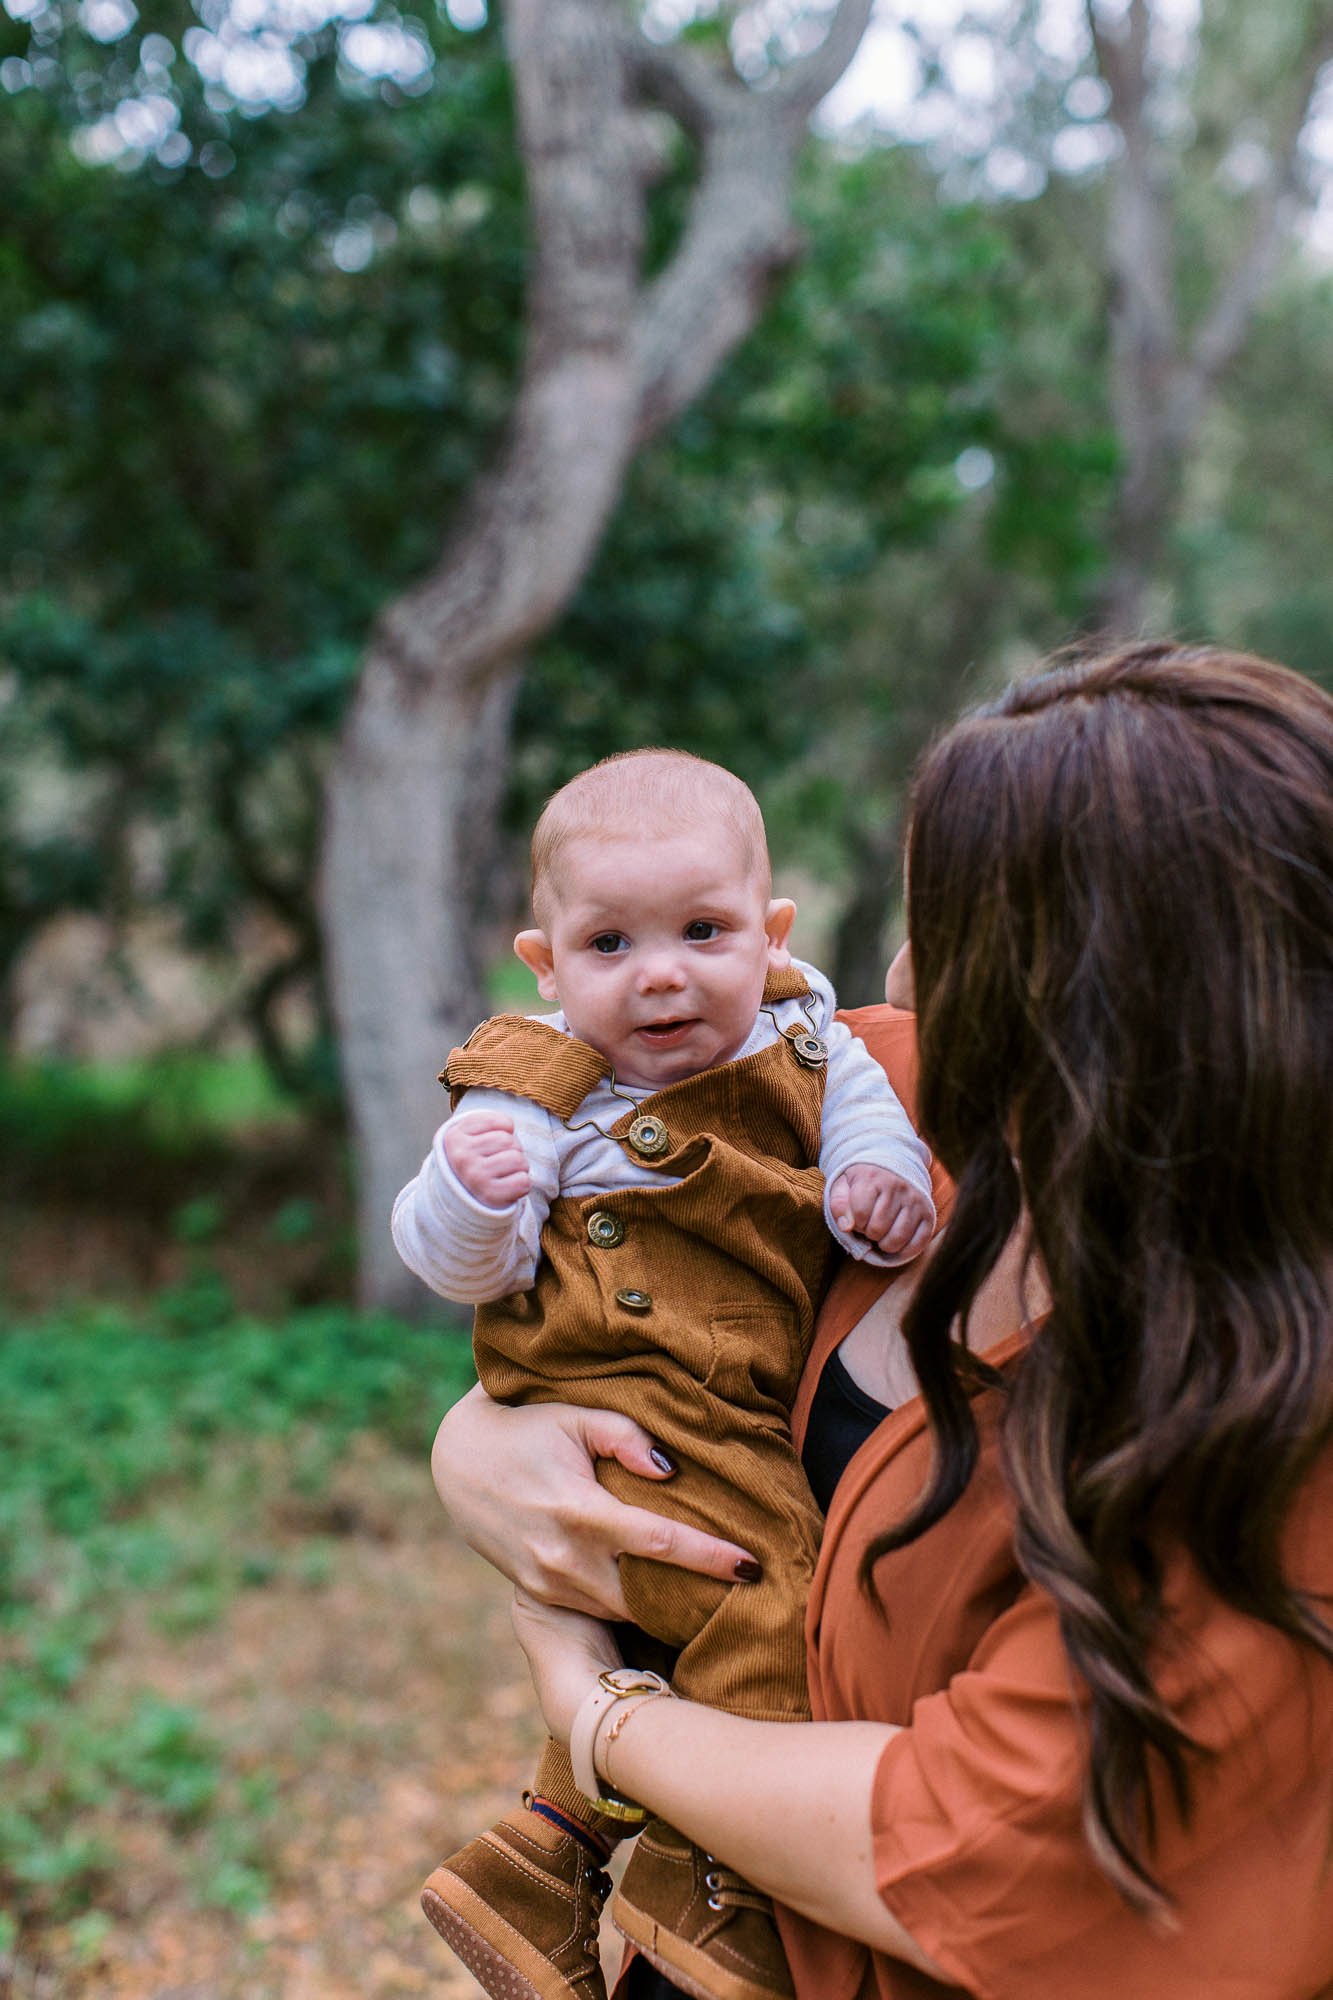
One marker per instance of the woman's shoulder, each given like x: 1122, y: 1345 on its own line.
x: 885, y: 1030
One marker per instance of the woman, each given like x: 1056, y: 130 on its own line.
x: 1070, y: 1650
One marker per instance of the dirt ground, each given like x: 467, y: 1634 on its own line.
x: 391, y: 1703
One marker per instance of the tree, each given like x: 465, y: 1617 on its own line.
x: 891, y: 478
x: 611, y: 358
x: 1150, y: 204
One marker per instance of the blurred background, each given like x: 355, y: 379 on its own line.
x: 404, y: 405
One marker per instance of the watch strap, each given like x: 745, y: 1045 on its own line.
x: 616, y: 1685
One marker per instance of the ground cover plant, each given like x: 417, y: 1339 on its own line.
x: 188, y: 1171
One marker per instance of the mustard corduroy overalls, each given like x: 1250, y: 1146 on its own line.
x: 690, y: 1308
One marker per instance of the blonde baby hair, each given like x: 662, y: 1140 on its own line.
x: 664, y: 791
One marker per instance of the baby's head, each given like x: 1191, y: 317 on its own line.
x: 651, y: 888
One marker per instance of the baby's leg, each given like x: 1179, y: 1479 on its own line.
x: 740, y: 1646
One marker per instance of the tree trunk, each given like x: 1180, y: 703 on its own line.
x: 860, y: 941
x: 1141, y: 517
x: 399, y: 873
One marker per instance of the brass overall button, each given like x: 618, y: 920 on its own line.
x: 811, y: 1051
x: 649, y: 1137
x: 605, y: 1230
x: 635, y: 1302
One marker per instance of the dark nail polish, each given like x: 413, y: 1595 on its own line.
x: 747, y: 1570
x: 661, y: 1461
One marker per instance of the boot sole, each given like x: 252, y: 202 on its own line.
x: 684, y: 1963
x: 463, y: 1920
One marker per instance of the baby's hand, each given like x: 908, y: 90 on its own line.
x: 887, y: 1210
x: 483, y: 1151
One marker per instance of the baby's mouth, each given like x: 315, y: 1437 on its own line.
x: 663, y: 1031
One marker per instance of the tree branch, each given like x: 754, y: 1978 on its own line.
x: 738, y: 238
x: 529, y: 525
x: 807, y: 81
x: 681, y: 81
x: 287, y: 896
x: 1122, y: 60
x: 255, y: 1006
x: 1138, y: 234
x: 1223, y: 329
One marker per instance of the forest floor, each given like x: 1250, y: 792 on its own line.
x: 381, y: 1694
x: 252, y: 1687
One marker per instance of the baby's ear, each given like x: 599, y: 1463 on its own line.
x: 780, y: 917
x: 534, y: 948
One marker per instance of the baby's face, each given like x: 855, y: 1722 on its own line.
x: 657, y: 949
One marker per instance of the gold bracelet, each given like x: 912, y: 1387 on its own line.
x: 604, y: 1742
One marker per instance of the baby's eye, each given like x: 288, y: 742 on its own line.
x: 701, y: 932
x: 607, y: 942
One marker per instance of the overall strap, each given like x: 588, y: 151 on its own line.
x: 788, y: 984
x: 528, y: 1059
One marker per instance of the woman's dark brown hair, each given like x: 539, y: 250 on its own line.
x: 1120, y: 904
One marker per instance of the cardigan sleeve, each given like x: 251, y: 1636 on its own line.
x: 979, y: 1844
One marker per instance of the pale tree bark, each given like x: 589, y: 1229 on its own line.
x: 1164, y: 380
x: 419, y: 771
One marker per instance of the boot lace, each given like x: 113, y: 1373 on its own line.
x: 729, y: 1891
x: 599, y: 1888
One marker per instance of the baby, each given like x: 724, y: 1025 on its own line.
x: 642, y: 1193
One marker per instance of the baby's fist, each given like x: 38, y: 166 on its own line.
x: 485, y: 1153
x: 883, y: 1208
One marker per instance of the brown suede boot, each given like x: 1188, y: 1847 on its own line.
x: 520, y: 1906
x: 700, y: 1923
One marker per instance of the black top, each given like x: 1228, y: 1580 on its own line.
x: 842, y: 1416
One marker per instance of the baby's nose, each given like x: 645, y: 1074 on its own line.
x: 660, y: 971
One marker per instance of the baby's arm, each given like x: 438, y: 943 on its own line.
x: 877, y: 1171
x: 470, y: 1224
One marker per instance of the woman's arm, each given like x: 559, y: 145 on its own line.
x: 521, y: 1487
x: 788, y: 1805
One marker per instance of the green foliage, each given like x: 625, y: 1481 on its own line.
x: 153, y: 1403
x: 124, y: 1133
x: 246, y: 390
x: 132, y: 1453
x: 1252, y: 556
x: 181, y: 1098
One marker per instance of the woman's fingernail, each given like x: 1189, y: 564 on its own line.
x: 661, y: 1461
x: 747, y: 1570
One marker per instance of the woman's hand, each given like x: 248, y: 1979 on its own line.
x: 521, y: 1488
x: 566, y: 1652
